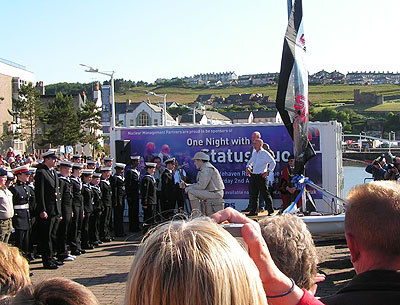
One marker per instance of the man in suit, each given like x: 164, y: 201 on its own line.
x: 118, y: 185
x: 132, y: 193
x: 48, y: 200
x: 77, y: 208
x: 148, y: 190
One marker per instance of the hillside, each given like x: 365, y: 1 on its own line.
x: 337, y: 96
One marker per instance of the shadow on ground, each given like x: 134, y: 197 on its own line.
x: 101, y: 280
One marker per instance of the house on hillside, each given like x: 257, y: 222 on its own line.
x: 234, y: 99
x: 145, y: 114
x: 204, y: 117
x: 267, y: 116
x: 244, y: 80
x: 205, y: 98
x: 244, y: 117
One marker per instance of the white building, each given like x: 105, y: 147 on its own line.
x: 145, y: 114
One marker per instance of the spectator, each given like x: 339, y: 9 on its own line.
x: 54, y: 292
x: 377, y: 168
x: 192, y: 262
x: 372, y: 228
x: 6, y: 208
x: 10, y: 153
x: 14, y: 272
x: 291, y: 247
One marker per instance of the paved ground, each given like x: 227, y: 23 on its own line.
x: 104, y: 270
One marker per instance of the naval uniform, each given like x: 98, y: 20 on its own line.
x: 132, y: 194
x: 106, y: 195
x: 119, y: 204
x: 22, y: 199
x: 47, y: 194
x: 94, y: 221
x: 148, y: 190
x: 77, y: 208
x: 66, y: 210
x: 87, y: 194
x: 168, y: 194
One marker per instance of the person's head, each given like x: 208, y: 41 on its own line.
x: 76, y: 159
x: 87, y: 175
x: 255, y: 135
x: 96, y: 178
x: 165, y: 149
x: 3, y: 177
x: 50, y: 158
x: 372, y: 225
x: 150, y: 148
x: 77, y: 170
x: 65, y: 168
x: 170, y: 163
x: 90, y: 164
x: 157, y: 160
x: 258, y: 143
x: 10, y: 179
x: 192, y: 262
x: 151, y: 168
x: 105, y: 172
x: 22, y: 173
x: 291, y: 161
x: 200, y: 158
x: 56, y: 291
x: 14, y: 270
x: 135, y: 161
x: 119, y: 168
x: 108, y: 162
x: 291, y: 247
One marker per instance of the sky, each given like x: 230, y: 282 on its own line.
x: 150, y: 39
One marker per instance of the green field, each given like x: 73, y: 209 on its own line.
x: 321, y: 95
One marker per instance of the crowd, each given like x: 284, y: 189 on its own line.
x: 383, y: 170
x: 64, y: 207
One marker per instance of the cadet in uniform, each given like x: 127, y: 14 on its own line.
x: 87, y: 194
x: 66, y: 210
x: 148, y: 190
x: 119, y: 195
x: 94, y: 222
x: 48, y: 200
x: 168, y: 194
x: 106, y: 195
x: 77, y: 208
x: 209, y: 187
x: 132, y: 193
x: 23, y: 198
x: 6, y: 208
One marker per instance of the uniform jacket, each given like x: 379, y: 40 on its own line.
x: 97, y: 202
x: 118, y: 190
x: 167, y: 185
x: 22, y: 195
x: 208, y: 179
x: 77, y: 199
x: 47, y: 191
x: 66, y: 195
x: 132, y: 183
x: 148, y: 190
x: 106, y: 192
x: 87, y: 194
x: 374, y: 287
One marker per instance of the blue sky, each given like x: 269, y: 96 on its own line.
x: 144, y: 40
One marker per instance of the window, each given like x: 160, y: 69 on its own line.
x: 132, y: 123
x: 143, y: 119
x: 155, y: 122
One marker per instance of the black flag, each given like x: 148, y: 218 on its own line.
x: 292, y: 96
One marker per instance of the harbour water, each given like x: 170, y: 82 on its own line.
x: 354, y: 175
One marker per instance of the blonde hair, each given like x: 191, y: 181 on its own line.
x: 291, y: 247
x: 373, y: 216
x: 55, y: 291
x: 193, y: 262
x: 14, y: 270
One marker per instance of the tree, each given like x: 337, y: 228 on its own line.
x: 28, y: 110
x: 90, y: 119
x: 62, y: 120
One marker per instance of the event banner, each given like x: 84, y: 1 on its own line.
x: 229, y: 149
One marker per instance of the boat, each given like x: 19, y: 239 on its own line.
x: 325, y: 224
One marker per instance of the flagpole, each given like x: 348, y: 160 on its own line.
x: 289, y: 7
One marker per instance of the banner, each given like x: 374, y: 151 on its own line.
x: 292, y: 96
x: 228, y: 147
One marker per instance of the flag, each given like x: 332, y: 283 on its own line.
x: 292, y: 95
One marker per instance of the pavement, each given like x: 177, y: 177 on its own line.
x: 104, y: 270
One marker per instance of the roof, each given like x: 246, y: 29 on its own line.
x: 265, y: 114
x: 237, y: 115
x: 188, y: 117
x: 216, y: 115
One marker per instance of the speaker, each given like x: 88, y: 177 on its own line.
x: 123, y: 151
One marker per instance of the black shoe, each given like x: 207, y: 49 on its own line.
x: 82, y: 251
x: 95, y: 244
x: 87, y: 247
x: 99, y: 242
x: 56, y: 262
x: 50, y: 265
x: 76, y: 252
x: 246, y: 210
x: 252, y: 214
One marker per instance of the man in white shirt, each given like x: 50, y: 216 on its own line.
x: 260, y: 165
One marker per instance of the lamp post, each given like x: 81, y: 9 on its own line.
x: 164, y: 96
x: 112, y: 108
x: 361, y: 143
x: 390, y: 139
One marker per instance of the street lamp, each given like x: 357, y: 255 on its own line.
x: 362, y: 133
x: 165, y: 105
x: 390, y: 139
x: 112, y: 125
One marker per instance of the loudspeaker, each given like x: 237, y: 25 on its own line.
x: 123, y: 151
